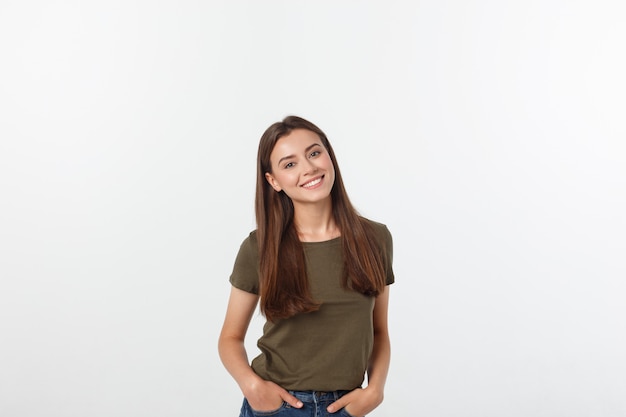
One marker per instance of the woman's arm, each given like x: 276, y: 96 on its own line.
x: 361, y: 401
x: 381, y: 353
x: 231, y: 348
x: 261, y: 394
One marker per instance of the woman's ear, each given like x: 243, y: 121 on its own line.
x: 272, y: 181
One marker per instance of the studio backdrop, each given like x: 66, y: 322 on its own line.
x: 489, y: 136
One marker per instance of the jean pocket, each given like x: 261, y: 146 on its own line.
x: 344, y: 413
x: 267, y: 413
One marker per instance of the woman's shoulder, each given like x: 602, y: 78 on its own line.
x: 250, y: 240
x: 380, y: 229
x: 249, y: 247
x: 376, y: 225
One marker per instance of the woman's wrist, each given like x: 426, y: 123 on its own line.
x: 250, y: 384
x: 376, y: 391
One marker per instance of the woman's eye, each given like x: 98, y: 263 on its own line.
x: 289, y: 164
x: 314, y: 153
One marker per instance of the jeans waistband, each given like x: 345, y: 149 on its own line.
x: 315, y: 396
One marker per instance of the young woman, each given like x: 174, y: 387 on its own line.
x: 320, y: 273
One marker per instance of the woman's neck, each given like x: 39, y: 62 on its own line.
x: 315, y: 223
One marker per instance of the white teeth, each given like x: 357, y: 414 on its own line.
x: 312, y: 183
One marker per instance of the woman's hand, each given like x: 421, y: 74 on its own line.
x: 358, y: 402
x: 261, y: 395
x: 361, y: 401
x: 268, y: 396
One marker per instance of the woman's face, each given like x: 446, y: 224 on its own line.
x: 301, y: 167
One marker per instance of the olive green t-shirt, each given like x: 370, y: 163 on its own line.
x: 325, y: 350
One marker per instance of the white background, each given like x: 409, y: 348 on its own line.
x: 488, y: 135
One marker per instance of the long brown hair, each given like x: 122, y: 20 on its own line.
x: 284, y: 286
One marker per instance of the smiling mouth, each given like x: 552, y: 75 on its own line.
x: 313, y: 183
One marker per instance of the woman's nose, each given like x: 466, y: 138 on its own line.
x: 310, y: 167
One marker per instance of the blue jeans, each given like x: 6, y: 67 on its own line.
x: 315, y: 404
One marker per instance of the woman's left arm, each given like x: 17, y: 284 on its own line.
x: 361, y: 401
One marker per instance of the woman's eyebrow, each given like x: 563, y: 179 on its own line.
x: 305, y: 151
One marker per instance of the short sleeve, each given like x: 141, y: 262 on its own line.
x: 245, y: 275
x: 388, y: 247
x: 385, y: 244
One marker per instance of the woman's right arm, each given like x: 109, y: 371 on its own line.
x: 241, y: 306
x: 261, y: 394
